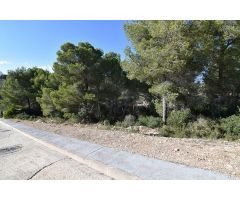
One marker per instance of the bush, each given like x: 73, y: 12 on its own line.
x: 118, y: 124
x: 23, y: 116
x: 170, y: 131
x: 83, y: 115
x: 166, y: 131
x: 179, y: 118
x: 182, y: 133
x: 149, y: 121
x: 231, y: 127
x: 202, y: 128
x: 106, y: 122
x: 57, y: 120
x: 129, y: 120
x: 9, y: 113
x: 217, y: 133
x: 72, y: 118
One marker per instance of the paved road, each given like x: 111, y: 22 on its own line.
x: 22, y: 158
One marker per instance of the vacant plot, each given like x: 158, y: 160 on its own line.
x: 218, y: 155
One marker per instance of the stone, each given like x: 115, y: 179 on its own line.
x: 142, y: 128
x: 135, y: 128
x: 150, y: 132
x: 176, y: 149
x: 230, y: 167
x: 129, y: 128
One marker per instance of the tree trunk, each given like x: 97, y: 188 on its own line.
x: 29, y: 105
x: 98, y: 111
x: 220, y: 71
x: 164, y: 110
x: 98, y: 105
x: 220, y: 75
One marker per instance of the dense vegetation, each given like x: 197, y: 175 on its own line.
x: 182, y: 77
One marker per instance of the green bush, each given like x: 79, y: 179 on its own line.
x: 72, y: 118
x: 118, y: 124
x: 57, y: 120
x: 83, y: 115
x: 166, y: 131
x: 182, y: 133
x: 231, y: 127
x: 9, y: 113
x: 179, y: 118
x: 149, y: 121
x: 170, y: 131
x: 217, y: 133
x: 129, y: 120
x: 106, y: 122
x: 202, y: 128
x: 23, y: 116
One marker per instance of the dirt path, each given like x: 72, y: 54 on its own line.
x: 221, y: 156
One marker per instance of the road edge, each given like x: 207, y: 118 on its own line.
x: 110, y: 171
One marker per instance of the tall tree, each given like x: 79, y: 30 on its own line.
x: 161, y: 55
x: 20, y: 90
x: 117, y: 94
x: 90, y: 85
x: 74, y: 71
x: 187, y: 62
x: 219, y: 42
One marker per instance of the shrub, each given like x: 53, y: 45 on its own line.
x: 170, y: 131
x: 106, y: 122
x: 149, y: 121
x: 57, y: 120
x: 179, y: 118
x: 23, y: 116
x: 9, y: 113
x: 217, y: 133
x: 72, y: 117
x: 118, y: 123
x: 182, y: 133
x: 166, y: 131
x: 83, y: 115
x: 231, y: 127
x: 129, y: 120
x: 202, y: 128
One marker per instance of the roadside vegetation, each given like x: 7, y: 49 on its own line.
x: 180, y: 78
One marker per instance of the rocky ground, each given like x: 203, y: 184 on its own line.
x: 218, y: 155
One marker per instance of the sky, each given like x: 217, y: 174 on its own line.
x: 35, y: 43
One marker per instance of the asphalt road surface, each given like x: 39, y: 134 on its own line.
x: 24, y: 159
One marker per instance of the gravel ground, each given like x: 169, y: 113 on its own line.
x: 217, y: 155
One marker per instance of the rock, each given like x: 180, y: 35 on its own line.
x: 230, y: 167
x: 135, y: 128
x: 129, y: 128
x: 201, y: 159
x: 142, y: 128
x: 234, y: 173
x: 176, y: 149
x: 151, y: 132
x: 145, y: 130
x: 39, y: 121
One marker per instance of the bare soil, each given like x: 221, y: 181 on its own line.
x: 217, y: 155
